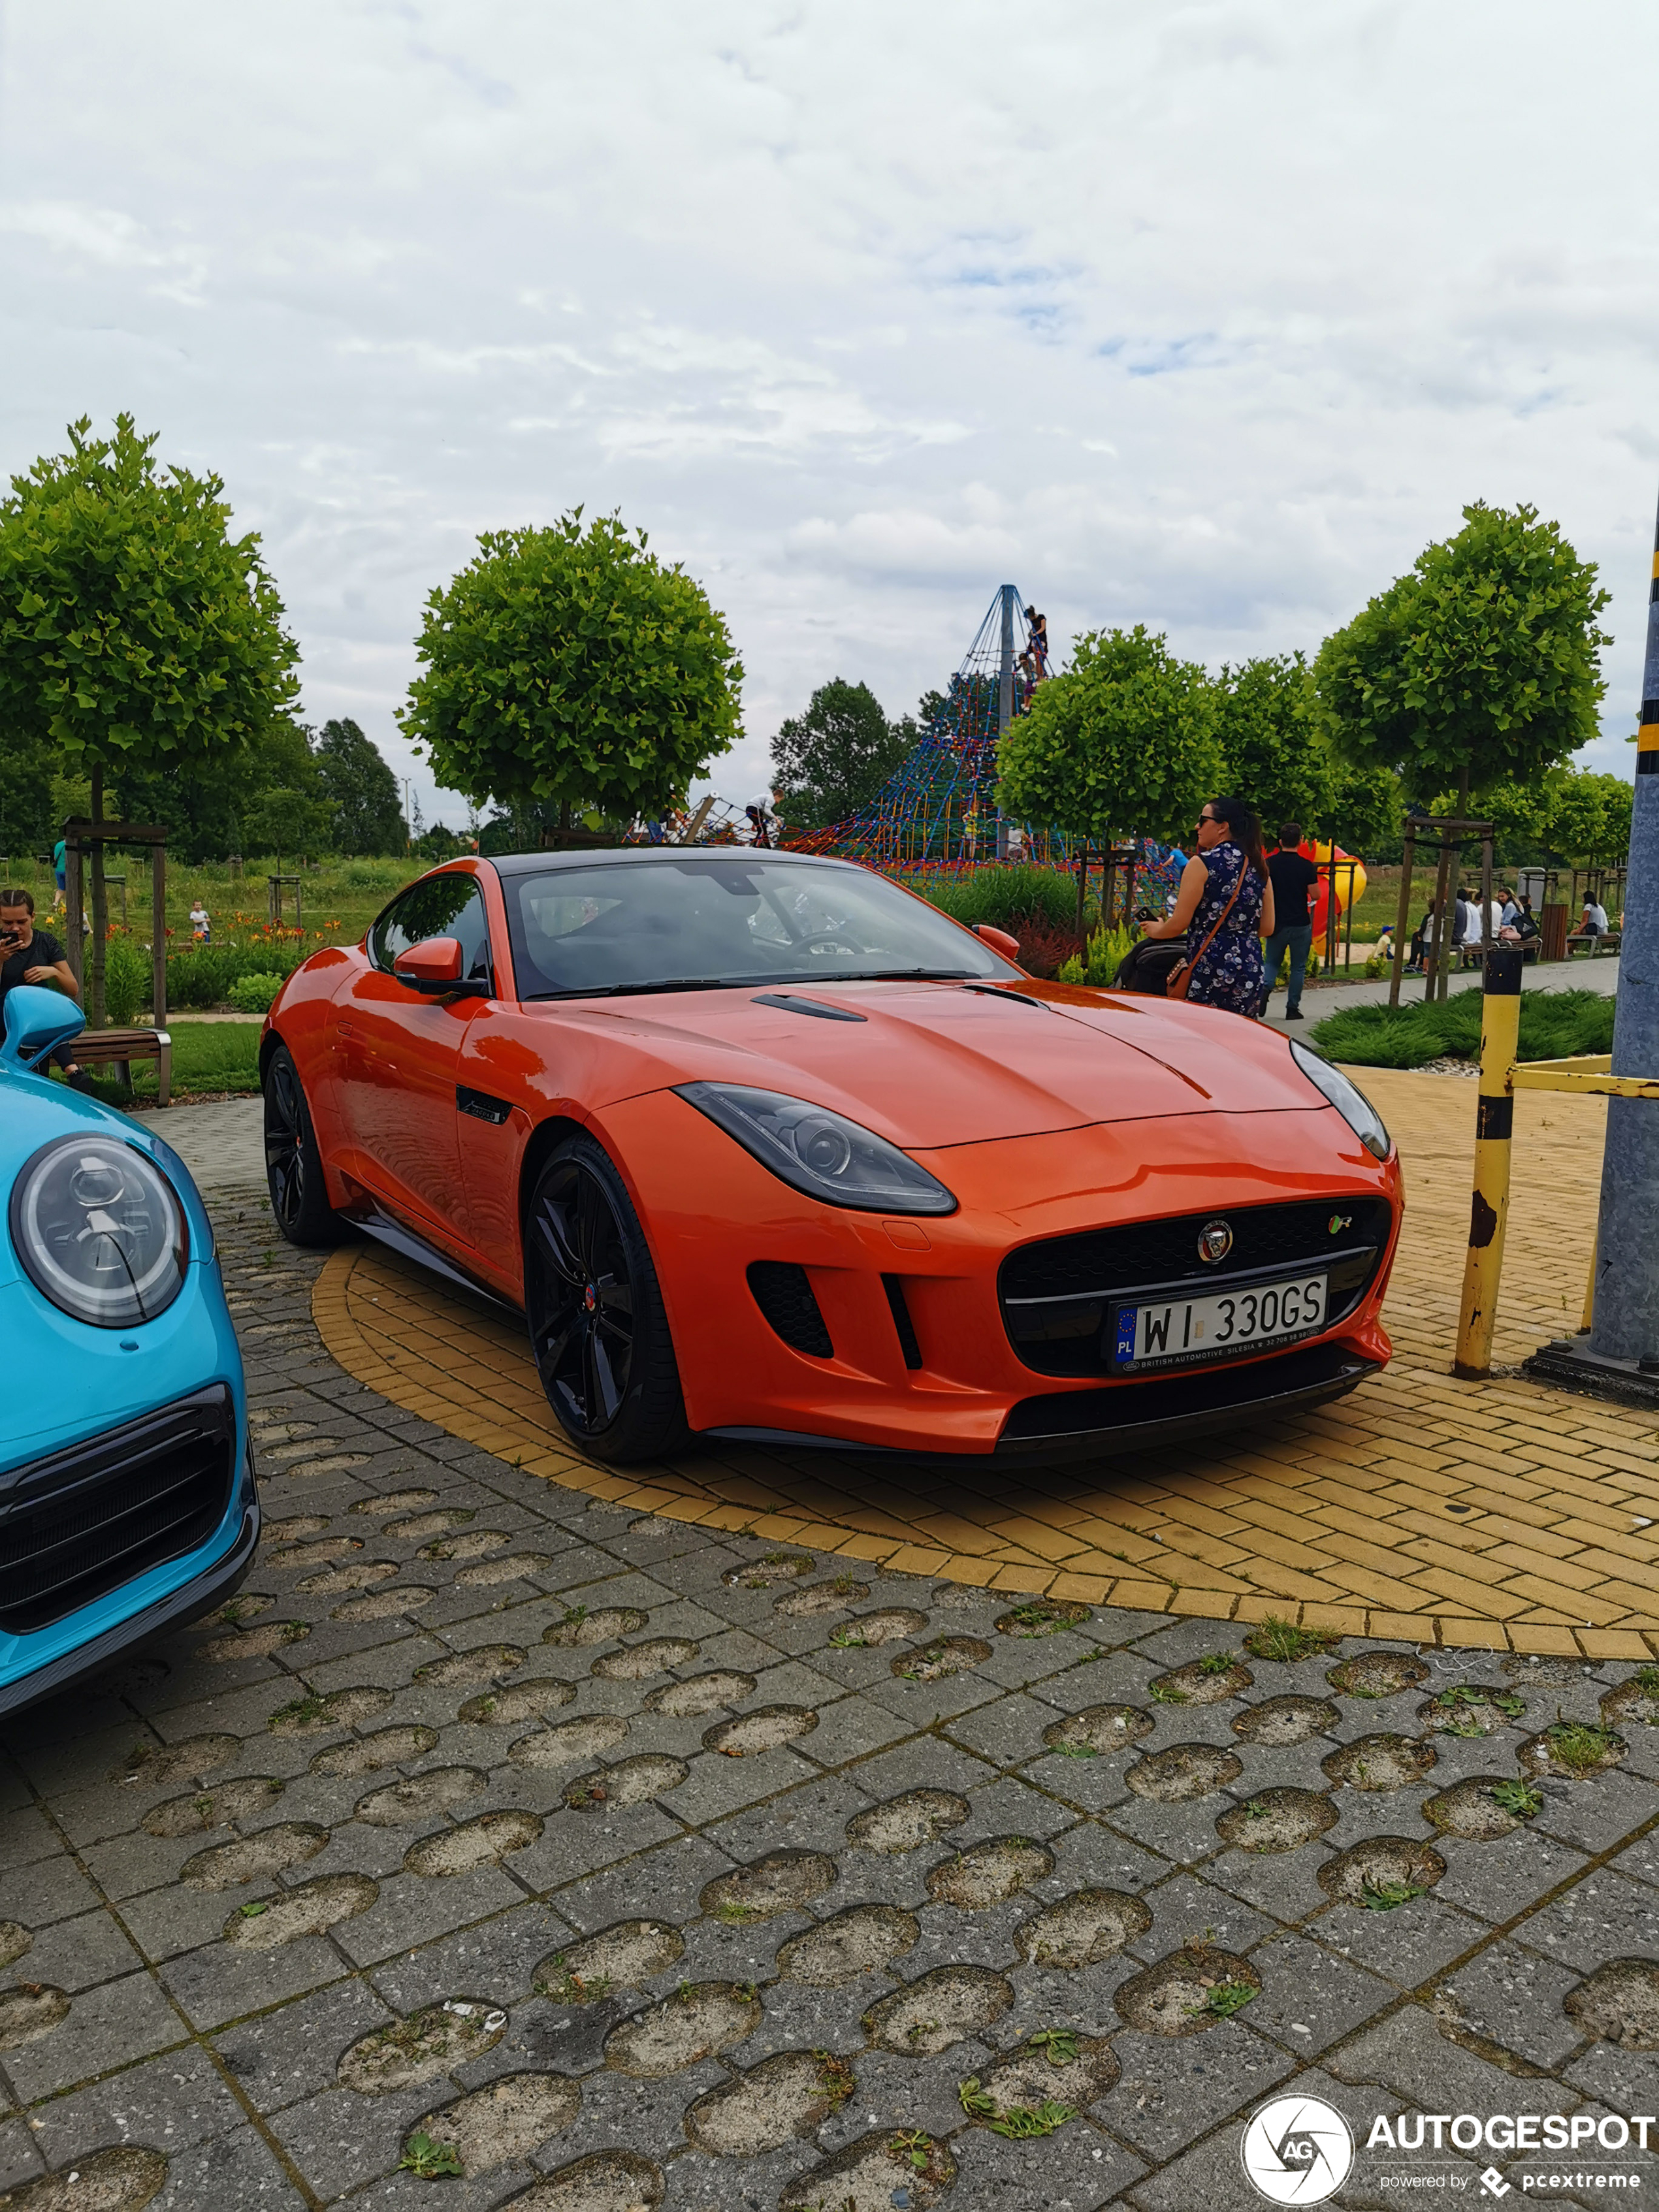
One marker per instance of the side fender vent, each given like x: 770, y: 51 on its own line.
x: 784, y: 1295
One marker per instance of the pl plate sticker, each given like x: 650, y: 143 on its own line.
x: 1297, y: 2151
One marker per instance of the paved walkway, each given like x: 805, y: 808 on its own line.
x: 603, y: 1861
x: 222, y: 1141
x: 1499, y: 1514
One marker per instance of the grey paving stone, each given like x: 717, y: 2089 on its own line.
x: 1310, y: 1998
x: 1430, y: 1935
x: 166, y: 2104
x: 1604, y: 1915
x: 291, y: 2053
x: 1513, y: 1996
x: 237, y: 2169
x: 1077, y: 2170
x: 1173, y: 2090
x: 109, y: 2026
x: 1596, y: 1815
x: 215, y: 1983
x: 1497, y: 1880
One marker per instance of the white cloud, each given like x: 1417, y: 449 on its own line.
x: 1207, y: 315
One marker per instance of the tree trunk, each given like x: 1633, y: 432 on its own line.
x: 99, y: 910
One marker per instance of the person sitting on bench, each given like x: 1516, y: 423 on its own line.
x: 32, y: 957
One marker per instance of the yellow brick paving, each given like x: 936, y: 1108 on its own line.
x: 1495, y: 1514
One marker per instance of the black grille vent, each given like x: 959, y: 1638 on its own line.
x: 1054, y: 1296
x: 894, y: 1286
x: 785, y: 1295
x: 79, y: 1524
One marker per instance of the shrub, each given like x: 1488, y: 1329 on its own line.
x: 1554, y: 1025
x: 252, y: 994
x: 1100, y: 960
x: 1003, y: 896
x: 1045, y: 950
x: 126, y: 980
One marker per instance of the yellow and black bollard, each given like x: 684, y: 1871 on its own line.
x: 1494, y: 1128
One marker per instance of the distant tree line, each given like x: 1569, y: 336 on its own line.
x: 1468, y: 685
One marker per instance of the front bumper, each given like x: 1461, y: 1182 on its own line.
x: 106, y: 1544
x: 921, y: 1359
x: 200, y: 1595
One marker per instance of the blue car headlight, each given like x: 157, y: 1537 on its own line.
x: 99, y: 1231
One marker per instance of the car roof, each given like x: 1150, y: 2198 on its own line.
x: 738, y: 856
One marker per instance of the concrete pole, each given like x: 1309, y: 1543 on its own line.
x: 1627, y: 1323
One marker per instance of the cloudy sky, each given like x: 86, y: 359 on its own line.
x: 1201, y: 314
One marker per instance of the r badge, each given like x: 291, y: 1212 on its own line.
x: 1215, y: 1241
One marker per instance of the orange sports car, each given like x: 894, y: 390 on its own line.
x: 763, y: 1146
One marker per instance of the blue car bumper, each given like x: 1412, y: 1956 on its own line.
x: 107, y: 1544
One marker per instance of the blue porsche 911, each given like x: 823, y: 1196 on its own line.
x: 127, y: 1497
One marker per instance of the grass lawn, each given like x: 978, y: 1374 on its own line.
x: 208, y: 1057
x: 1553, y: 1025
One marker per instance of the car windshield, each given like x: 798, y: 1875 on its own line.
x: 695, y: 924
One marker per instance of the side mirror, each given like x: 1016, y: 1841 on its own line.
x: 36, y: 1021
x: 433, y: 966
x: 999, y: 940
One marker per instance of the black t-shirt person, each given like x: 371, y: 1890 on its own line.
x: 42, y: 950
x: 1293, y: 877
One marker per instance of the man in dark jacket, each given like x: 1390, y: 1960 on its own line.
x: 1294, y: 878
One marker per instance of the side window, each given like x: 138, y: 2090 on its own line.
x: 443, y: 906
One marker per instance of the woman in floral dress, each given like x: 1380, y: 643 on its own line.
x: 1227, y: 966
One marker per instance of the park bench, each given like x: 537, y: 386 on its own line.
x: 120, y: 1048
x: 1602, y: 940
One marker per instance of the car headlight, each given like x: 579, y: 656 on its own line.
x: 1350, y: 1102
x: 100, y: 1232
x: 817, y: 1152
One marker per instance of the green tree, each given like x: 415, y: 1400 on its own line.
x: 135, y: 631
x: 284, y: 819
x: 1266, y: 720
x: 1479, y: 668
x: 205, y: 809
x: 1122, y: 745
x: 571, y: 668
x: 351, y: 775
x: 26, y: 815
x: 830, y: 762
x: 1586, y: 817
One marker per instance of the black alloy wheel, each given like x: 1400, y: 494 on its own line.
x: 597, y: 1324
x: 294, y: 1166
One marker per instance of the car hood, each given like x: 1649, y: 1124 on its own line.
x: 932, y: 1065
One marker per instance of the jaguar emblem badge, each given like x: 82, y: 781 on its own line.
x: 1215, y: 1241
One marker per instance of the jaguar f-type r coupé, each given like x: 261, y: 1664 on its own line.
x: 765, y: 1147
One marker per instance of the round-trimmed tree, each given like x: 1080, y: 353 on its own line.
x: 1122, y: 745
x: 1479, y: 668
x: 135, y: 632
x: 570, y: 668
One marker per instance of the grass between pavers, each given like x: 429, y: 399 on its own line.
x: 208, y: 1057
x: 1553, y: 1025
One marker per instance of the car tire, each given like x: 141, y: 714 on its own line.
x: 598, y: 1327
x: 294, y: 1165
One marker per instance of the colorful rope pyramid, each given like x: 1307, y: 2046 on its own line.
x: 938, y: 810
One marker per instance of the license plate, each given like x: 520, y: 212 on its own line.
x: 1185, y: 1330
